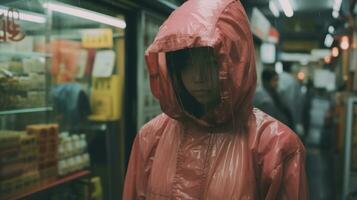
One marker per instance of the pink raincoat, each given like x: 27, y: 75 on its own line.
x: 234, y: 152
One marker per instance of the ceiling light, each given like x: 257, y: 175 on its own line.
x: 335, y: 52
x: 335, y: 14
x: 274, y: 9
x: 24, y: 15
x: 336, y: 8
x: 328, y: 40
x: 301, y: 76
x: 337, y: 5
x: 85, y: 14
x: 286, y: 6
x: 331, y: 29
x: 344, y: 43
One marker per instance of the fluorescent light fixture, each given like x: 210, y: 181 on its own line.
x: 286, y: 6
x: 337, y: 5
x: 328, y: 40
x: 304, y: 62
x: 85, y: 14
x: 274, y: 9
x: 295, y: 57
x: 331, y: 29
x: 336, y: 8
x: 24, y: 15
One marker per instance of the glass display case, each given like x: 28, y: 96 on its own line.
x: 148, y: 106
x: 24, y: 82
x: 61, y: 83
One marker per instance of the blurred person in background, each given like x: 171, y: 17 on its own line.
x: 209, y: 142
x: 306, y: 108
x: 267, y: 98
x: 291, y: 95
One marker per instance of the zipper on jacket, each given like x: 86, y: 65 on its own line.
x: 206, y: 165
x: 178, y: 162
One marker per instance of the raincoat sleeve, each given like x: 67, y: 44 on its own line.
x: 136, y: 176
x: 283, y: 168
x: 141, y: 159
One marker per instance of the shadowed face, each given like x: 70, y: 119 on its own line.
x: 200, y: 76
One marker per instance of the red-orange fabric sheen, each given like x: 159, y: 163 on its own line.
x: 235, y: 151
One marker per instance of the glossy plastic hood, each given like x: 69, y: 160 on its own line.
x: 223, y: 26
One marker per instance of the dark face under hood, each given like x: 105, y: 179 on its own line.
x: 223, y: 26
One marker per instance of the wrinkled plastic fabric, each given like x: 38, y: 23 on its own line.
x: 234, y: 152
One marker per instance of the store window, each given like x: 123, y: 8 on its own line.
x: 148, y: 106
x: 61, y: 74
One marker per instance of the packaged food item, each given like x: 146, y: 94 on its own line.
x: 86, y: 160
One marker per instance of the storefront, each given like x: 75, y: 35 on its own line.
x: 74, y: 92
x: 61, y: 103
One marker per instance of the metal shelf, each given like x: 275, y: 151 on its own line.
x: 50, y: 185
x: 24, y: 54
x: 25, y: 110
x: 92, y: 127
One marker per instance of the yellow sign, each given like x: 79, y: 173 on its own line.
x: 97, y: 38
x: 106, y: 99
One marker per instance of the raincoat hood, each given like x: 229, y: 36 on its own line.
x: 174, y: 159
x: 223, y: 26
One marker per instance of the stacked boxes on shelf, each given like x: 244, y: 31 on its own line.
x: 47, y: 136
x: 22, y: 74
x: 18, y: 161
x: 38, y: 156
x: 23, y: 89
x: 72, y: 153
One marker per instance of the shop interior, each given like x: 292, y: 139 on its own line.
x: 75, y: 91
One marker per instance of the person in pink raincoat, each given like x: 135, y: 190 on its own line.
x: 209, y: 142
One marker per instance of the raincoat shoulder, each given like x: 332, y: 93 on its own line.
x: 142, y: 155
x: 280, y: 156
x: 272, y: 132
x: 150, y: 133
